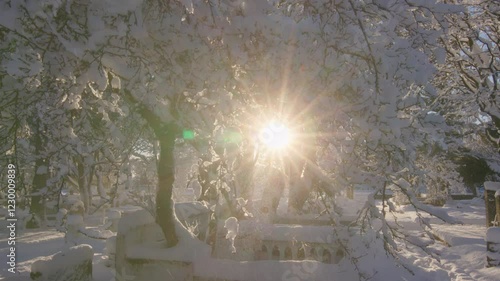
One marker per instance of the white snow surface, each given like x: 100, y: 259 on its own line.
x: 493, y: 235
x: 187, y: 249
x: 491, y: 185
x: 462, y: 257
x: 66, y: 258
x: 33, y: 245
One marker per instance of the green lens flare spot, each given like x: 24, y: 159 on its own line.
x: 233, y: 137
x: 188, y: 134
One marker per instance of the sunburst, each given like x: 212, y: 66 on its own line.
x: 276, y: 136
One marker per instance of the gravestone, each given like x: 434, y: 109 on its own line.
x: 492, y: 190
x: 493, y: 246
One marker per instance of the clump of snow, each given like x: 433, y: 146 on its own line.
x: 134, y: 219
x: 186, y: 210
x: 493, y: 235
x: 232, y: 227
x: 477, y: 201
x: 113, y: 214
x: 491, y: 185
x: 494, y: 166
x: 96, y: 232
x: 116, y: 83
x: 437, y: 212
x: 73, y: 264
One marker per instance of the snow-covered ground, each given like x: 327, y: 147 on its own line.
x: 31, y: 245
x: 462, y: 253
x: 460, y: 256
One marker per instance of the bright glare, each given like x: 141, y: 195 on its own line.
x: 275, y: 136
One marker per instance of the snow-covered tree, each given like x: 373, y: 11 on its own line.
x: 353, y: 75
x: 64, y: 126
x: 469, y: 80
x: 467, y: 85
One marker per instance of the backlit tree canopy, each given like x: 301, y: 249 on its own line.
x: 352, y: 78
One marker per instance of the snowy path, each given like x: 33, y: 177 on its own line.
x: 462, y: 254
x: 466, y: 255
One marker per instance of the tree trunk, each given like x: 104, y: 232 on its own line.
x: 244, y: 173
x: 165, y: 215
x: 273, y: 192
x: 37, y: 206
x: 82, y: 185
x: 350, y: 192
x: 165, y: 133
x: 90, y: 173
x: 295, y: 188
x: 300, y: 169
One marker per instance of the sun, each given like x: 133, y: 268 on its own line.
x: 275, y: 136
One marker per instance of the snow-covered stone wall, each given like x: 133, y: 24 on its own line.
x: 142, y: 255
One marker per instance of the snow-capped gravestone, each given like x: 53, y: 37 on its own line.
x: 73, y: 226
x: 61, y: 218
x: 492, y: 200
x: 493, y: 246
x: 74, y: 222
x: 111, y: 251
x: 72, y: 264
x: 112, y: 218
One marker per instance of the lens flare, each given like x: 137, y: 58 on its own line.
x: 275, y: 136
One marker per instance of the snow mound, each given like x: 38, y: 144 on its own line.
x: 72, y: 264
x: 477, y: 201
x: 96, y: 232
x: 152, y: 245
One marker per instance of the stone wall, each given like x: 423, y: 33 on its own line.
x: 138, y: 258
